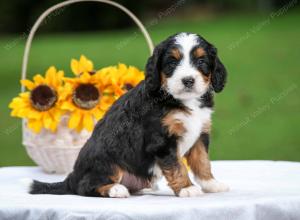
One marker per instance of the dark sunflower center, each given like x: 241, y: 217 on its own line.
x: 43, y: 97
x: 128, y: 86
x: 86, y: 96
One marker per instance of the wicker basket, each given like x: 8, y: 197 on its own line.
x: 59, y: 156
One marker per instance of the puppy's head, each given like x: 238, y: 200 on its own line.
x: 186, y: 66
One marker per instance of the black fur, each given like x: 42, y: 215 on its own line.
x: 207, y: 100
x: 131, y: 135
x: 204, y: 137
x: 50, y: 188
x: 218, y: 71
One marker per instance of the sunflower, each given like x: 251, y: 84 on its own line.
x: 40, y: 105
x: 84, y: 97
x: 121, y: 77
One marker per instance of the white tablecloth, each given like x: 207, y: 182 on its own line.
x: 259, y: 190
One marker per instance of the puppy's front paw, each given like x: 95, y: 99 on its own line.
x: 118, y: 191
x: 213, y: 186
x: 190, y: 191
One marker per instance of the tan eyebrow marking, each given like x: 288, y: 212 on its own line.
x: 199, y: 52
x: 176, y: 53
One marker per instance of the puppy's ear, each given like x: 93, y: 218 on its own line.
x: 153, y: 69
x: 219, y: 73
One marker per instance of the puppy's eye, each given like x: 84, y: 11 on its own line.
x: 173, y: 62
x: 200, y: 61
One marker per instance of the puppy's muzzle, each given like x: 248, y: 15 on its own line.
x: 188, y: 82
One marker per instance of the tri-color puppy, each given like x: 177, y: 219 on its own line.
x: 148, y: 130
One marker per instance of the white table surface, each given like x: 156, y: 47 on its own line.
x: 259, y: 190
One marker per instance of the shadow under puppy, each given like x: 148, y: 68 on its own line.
x: 148, y: 130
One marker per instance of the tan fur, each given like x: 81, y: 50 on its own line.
x: 118, y: 174
x: 116, y: 178
x: 176, y: 53
x: 175, y: 126
x: 198, y: 160
x: 199, y: 52
x: 177, y: 176
x: 207, y: 79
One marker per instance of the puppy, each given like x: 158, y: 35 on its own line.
x: 148, y: 131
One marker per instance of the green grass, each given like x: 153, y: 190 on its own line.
x: 247, y: 124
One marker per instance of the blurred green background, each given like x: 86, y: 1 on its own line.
x: 257, y: 115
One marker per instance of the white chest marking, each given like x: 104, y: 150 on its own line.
x: 193, y: 124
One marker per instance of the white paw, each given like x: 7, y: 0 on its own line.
x: 118, y: 191
x: 213, y: 186
x: 190, y: 191
x: 26, y: 182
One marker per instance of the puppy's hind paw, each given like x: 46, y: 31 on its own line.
x: 190, y: 191
x: 118, y: 191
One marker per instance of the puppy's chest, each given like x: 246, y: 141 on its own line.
x: 192, y: 123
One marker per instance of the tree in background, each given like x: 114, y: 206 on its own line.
x: 18, y: 15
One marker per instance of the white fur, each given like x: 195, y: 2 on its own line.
x: 190, y: 191
x: 184, y: 69
x: 212, y: 186
x: 157, y: 175
x: 118, y: 191
x: 193, y: 123
x: 26, y: 182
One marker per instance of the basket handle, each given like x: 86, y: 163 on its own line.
x: 69, y: 2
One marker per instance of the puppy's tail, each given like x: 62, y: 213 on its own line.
x: 59, y: 188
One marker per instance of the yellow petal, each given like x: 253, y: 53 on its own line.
x: 85, y: 77
x: 98, y: 114
x: 53, y: 78
x: 75, y: 66
x: 18, y: 103
x: 28, y: 84
x: 47, y: 120
x: 122, y: 68
x: 74, y: 119
x: 58, y: 78
x: 14, y: 113
x: 33, y: 114
x: 88, y: 122
x: 35, y: 125
x: 24, y: 94
x: 80, y: 125
x: 86, y: 64
x: 51, y: 71
x: 55, y: 113
x: 67, y: 106
x: 106, y: 102
x: 53, y: 126
x: 38, y: 79
x: 24, y: 113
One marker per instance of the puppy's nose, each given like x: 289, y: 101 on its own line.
x: 188, y: 81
